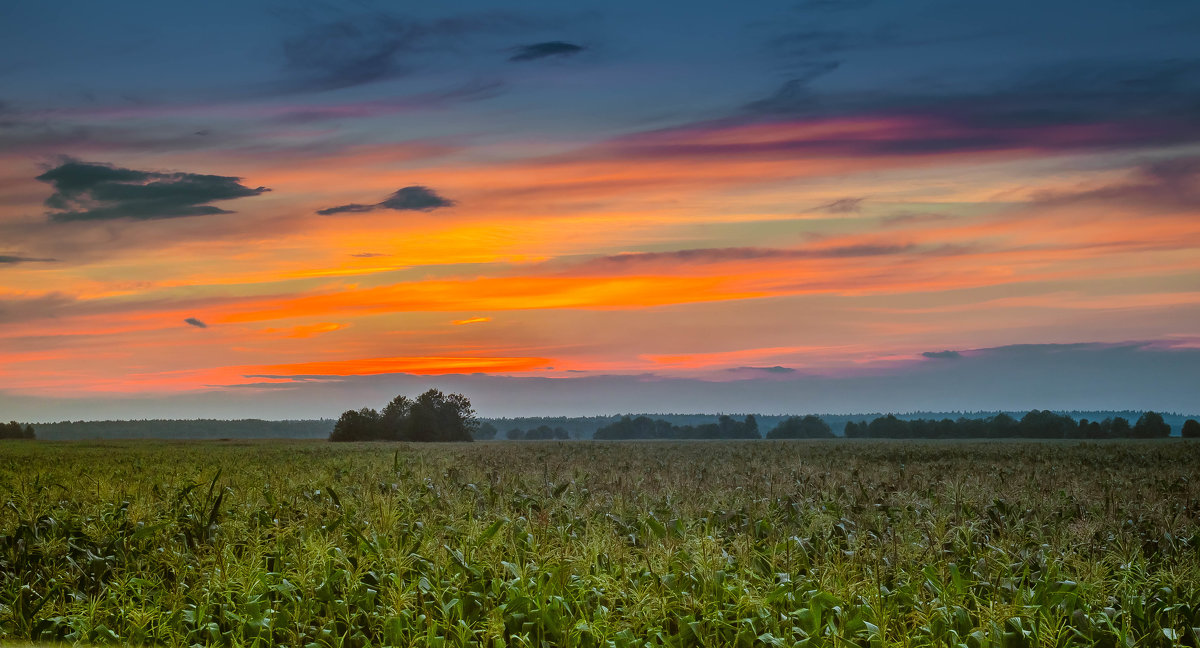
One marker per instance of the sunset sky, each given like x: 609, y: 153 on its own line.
x: 281, y: 210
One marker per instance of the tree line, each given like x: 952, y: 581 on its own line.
x: 1037, y: 424
x: 643, y: 427
x: 14, y: 430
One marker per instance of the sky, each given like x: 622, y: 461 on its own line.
x: 287, y: 209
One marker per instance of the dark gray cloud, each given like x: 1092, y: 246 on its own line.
x: 90, y: 191
x: 718, y: 255
x: 195, y: 322
x: 355, y: 50
x: 1163, y: 184
x: 1047, y: 108
x: 843, y: 206
x: 369, y: 255
x: 544, y: 50
x: 7, y: 259
x: 943, y: 355
x: 770, y: 370
x: 414, y: 198
x: 795, y: 96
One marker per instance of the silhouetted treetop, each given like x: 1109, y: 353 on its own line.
x: 432, y: 416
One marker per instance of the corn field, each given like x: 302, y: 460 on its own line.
x: 796, y: 544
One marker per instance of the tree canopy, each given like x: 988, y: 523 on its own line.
x: 643, y: 427
x: 432, y: 416
x: 1191, y: 429
x: 808, y: 427
x: 14, y: 430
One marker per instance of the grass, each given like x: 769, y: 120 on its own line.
x: 601, y: 544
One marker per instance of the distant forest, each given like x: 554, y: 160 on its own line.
x: 916, y: 425
x: 185, y: 429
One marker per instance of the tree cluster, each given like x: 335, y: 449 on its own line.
x: 14, y: 430
x: 539, y: 433
x: 432, y: 416
x: 1037, y: 424
x: 808, y: 427
x: 643, y: 427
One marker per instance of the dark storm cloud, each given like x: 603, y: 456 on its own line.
x: 544, y: 50
x: 89, y: 191
x: 415, y: 198
x: 358, y: 50
x: 942, y: 355
x: 195, y: 322
x: 12, y: 260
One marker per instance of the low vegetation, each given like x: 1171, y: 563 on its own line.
x: 764, y: 543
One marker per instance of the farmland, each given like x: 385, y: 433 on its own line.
x: 812, y: 543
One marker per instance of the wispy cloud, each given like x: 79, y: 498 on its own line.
x: 8, y: 259
x: 471, y: 320
x: 359, y: 49
x: 544, y: 50
x: 415, y: 198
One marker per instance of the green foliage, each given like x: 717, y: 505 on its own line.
x: 601, y: 544
x: 1151, y: 426
x: 1036, y: 424
x: 14, y: 430
x: 432, y: 416
x: 643, y: 427
x: 1191, y: 429
x: 808, y: 427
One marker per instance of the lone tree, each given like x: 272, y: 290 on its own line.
x: 1151, y: 426
x: 809, y: 427
x: 432, y: 416
x: 1191, y: 429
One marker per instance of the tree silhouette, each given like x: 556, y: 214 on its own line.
x: 485, y: 432
x: 432, y: 416
x: 14, y: 430
x: 1191, y: 429
x: 1151, y: 426
x: 357, y: 425
x: 809, y: 427
x: 396, y: 419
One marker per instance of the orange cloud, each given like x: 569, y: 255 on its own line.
x: 471, y: 320
x: 431, y: 365
x: 306, y: 331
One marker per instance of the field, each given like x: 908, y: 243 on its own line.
x: 832, y: 543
